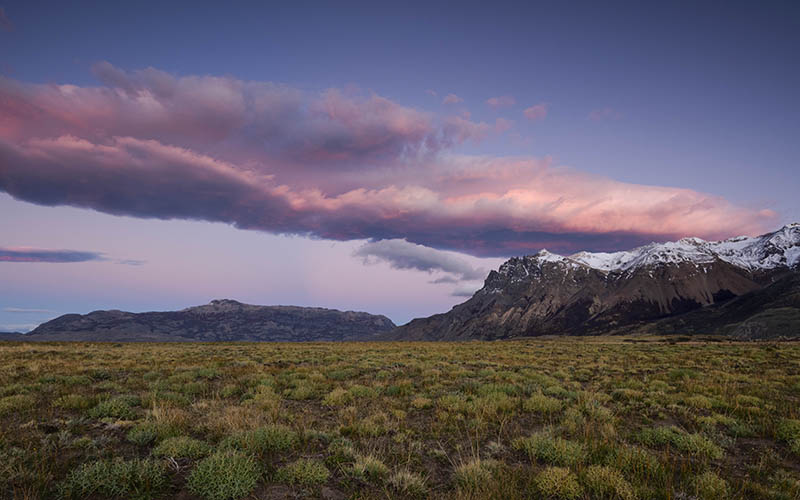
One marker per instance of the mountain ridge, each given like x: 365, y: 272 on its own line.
x: 626, y: 291
x: 219, y: 320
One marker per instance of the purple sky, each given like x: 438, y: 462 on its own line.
x: 374, y: 158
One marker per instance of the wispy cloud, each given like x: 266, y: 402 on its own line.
x: 605, y: 114
x: 130, y: 262
x: 23, y: 310
x: 29, y: 254
x: 537, y: 112
x: 400, y: 254
x: 452, y: 99
x: 25, y: 254
x: 499, y: 102
x: 332, y: 165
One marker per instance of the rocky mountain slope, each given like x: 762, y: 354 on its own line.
x: 221, y: 320
x: 690, y: 286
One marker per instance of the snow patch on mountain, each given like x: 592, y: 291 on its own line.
x: 769, y: 251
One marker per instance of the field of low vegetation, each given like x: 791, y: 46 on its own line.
x: 605, y: 418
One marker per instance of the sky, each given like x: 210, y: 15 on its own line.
x: 373, y: 157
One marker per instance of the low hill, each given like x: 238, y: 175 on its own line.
x: 220, y: 320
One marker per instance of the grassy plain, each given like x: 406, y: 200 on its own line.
x: 543, y: 418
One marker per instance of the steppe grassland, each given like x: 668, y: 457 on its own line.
x: 557, y: 418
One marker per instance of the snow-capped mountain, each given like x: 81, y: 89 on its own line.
x: 588, y: 292
x: 769, y: 251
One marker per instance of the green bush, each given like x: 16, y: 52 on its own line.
x: 558, y: 483
x: 304, y: 472
x: 694, y: 444
x: 224, y: 476
x: 142, y: 434
x: 545, y: 447
x: 606, y: 483
x: 540, y: 403
x: 148, y: 432
x: 475, y: 475
x: 72, y: 402
x: 182, y: 447
x: 263, y: 441
x: 117, y: 407
x: 369, y: 467
x: 709, y: 486
x: 134, y: 479
x: 16, y: 403
x: 788, y: 430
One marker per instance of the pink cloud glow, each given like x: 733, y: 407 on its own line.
x: 333, y: 165
x: 503, y: 101
x: 537, y: 112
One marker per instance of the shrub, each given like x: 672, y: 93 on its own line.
x: 303, y: 389
x: 224, y: 476
x: 142, y: 434
x: 138, y: 479
x: 709, y: 486
x: 545, y: 447
x: 540, y: 403
x: 698, y: 401
x: 117, y: 407
x: 695, y: 444
x: 637, y: 462
x: 362, y: 391
x: 149, y: 431
x: 605, y: 482
x: 558, y: 483
x: 230, y: 390
x: 369, y: 467
x: 303, y: 471
x: 337, y: 397
x: 341, y: 450
x: 474, y: 475
x: 408, y: 483
x: 263, y: 441
x: 16, y: 403
x: 788, y: 430
x: 182, y: 447
x: 72, y: 402
x: 421, y: 403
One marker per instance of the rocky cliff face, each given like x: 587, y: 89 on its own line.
x: 221, y: 320
x: 589, y: 293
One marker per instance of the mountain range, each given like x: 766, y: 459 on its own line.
x: 747, y: 287
x: 744, y: 287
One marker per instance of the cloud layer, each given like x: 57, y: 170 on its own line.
x: 22, y: 254
x: 332, y: 164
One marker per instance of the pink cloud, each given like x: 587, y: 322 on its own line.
x: 605, y: 114
x: 503, y: 101
x: 502, y: 125
x: 452, y: 99
x: 332, y: 165
x: 537, y: 112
